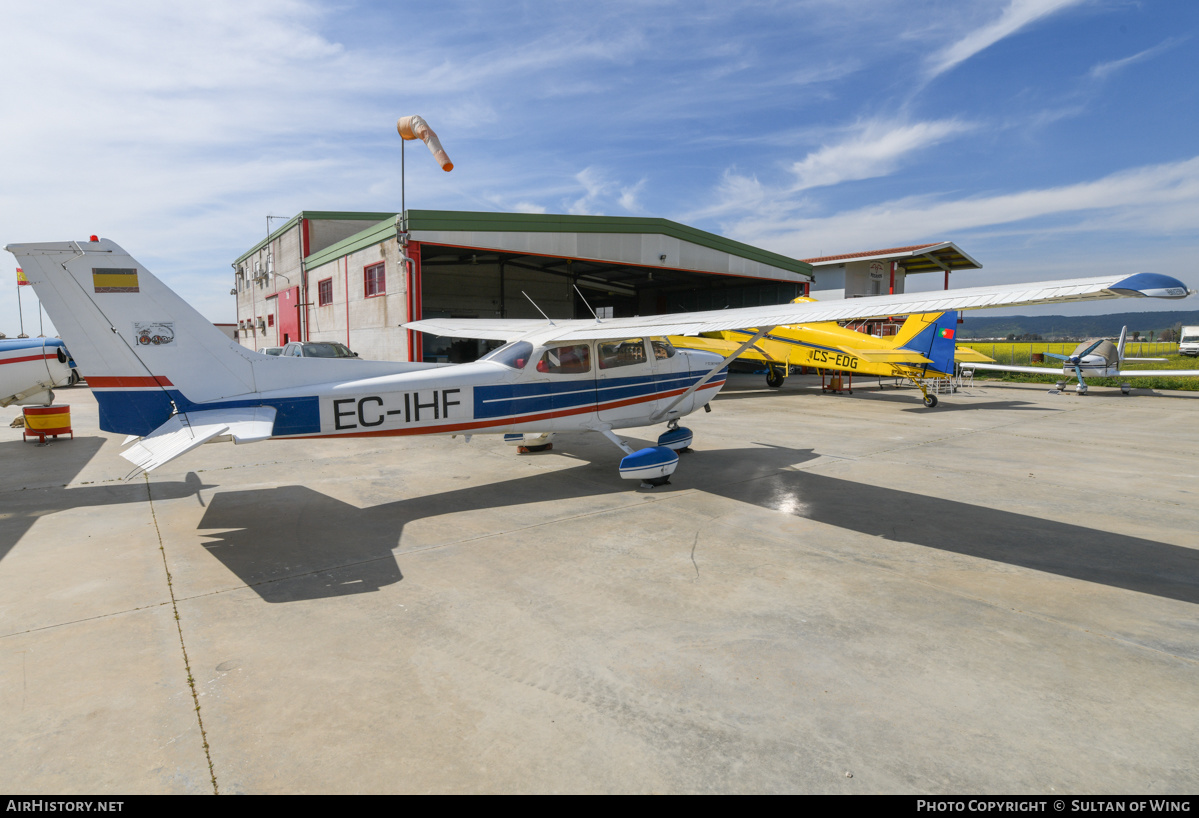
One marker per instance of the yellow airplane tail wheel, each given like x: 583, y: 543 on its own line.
x: 774, y: 377
x: 930, y: 400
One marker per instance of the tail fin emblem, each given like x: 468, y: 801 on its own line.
x: 946, y: 332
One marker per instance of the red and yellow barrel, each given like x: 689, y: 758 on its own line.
x: 47, y: 421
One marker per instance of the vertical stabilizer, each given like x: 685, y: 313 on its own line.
x: 1120, y: 344
x: 933, y: 335
x: 137, y: 342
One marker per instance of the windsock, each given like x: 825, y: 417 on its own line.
x: 413, y: 127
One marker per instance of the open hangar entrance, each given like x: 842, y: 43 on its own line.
x: 463, y: 282
x: 520, y: 266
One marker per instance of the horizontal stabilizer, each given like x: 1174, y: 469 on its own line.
x: 887, y: 356
x: 187, y: 430
x: 968, y: 355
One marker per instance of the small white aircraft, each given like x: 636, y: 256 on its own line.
x: 167, y: 377
x: 30, y: 368
x: 1099, y: 358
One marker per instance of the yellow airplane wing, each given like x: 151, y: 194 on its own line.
x: 887, y: 356
x: 718, y: 345
x: 966, y: 354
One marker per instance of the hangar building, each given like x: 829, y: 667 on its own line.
x: 355, y: 277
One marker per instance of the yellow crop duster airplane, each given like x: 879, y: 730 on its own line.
x: 924, y: 348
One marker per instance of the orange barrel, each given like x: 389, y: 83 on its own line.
x: 48, y: 420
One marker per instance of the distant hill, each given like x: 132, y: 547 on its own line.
x: 978, y: 325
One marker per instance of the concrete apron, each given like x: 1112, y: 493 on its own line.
x: 836, y: 594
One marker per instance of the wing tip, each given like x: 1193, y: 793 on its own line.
x: 1151, y: 285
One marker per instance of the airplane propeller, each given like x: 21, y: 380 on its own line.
x: 1076, y: 362
x: 1076, y: 359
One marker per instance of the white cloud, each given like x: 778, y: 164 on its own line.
x: 1018, y: 15
x: 875, y: 149
x: 1154, y: 200
x: 1105, y: 70
x: 628, y: 197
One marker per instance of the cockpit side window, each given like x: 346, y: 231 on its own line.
x: 613, y: 354
x: 566, y: 360
x: 514, y: 355
x: 663, y: 349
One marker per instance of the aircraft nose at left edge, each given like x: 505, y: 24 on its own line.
x: 1152, y: 285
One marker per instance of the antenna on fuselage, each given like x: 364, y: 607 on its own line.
x: 580, y: 292
x: 534, y: 303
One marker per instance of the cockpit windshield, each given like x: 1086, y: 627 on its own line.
x: 514, y: 355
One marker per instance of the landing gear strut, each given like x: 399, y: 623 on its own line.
x: 930, y: 400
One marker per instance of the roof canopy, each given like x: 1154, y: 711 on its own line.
x: 918, y: 258
x: 607, y: 240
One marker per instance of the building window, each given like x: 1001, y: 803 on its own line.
x: 375, y: 281
x: 270, y: 319
x: 324, y: 292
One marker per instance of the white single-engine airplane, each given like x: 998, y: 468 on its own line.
x: 30, y: 368
x: 1098, y: 358
x: 162, y: 373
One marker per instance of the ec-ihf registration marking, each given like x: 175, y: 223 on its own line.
x: 407, y: 407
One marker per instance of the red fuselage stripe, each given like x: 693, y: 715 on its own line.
x: 110, y: 382
x: 27, y: 358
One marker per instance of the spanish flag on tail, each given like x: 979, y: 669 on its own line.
x: 114, y: 280
x: 21, y: 279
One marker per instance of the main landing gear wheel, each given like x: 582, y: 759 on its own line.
x: 930, y: 401
x: 774, y: 378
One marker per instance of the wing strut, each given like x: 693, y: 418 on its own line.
x: 661, y: 413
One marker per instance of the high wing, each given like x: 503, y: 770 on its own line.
x: 1153, y: 285
x: 1051, y: 370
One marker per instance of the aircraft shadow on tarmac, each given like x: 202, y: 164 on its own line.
x: 58, y: 467
x: 1088, y: 554
x: 948, y: 403
x: 293, y: 543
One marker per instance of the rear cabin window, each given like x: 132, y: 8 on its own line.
x: 568, y: 360
x: 613, y: 354
x: 663, y: 349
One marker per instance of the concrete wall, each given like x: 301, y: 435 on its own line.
x: 854, y: 279
x: 373, y: 322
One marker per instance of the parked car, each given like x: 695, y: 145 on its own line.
x: 271, y: 350
x: 317, y: 349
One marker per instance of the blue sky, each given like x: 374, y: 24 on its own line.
x: 1048, y: 138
